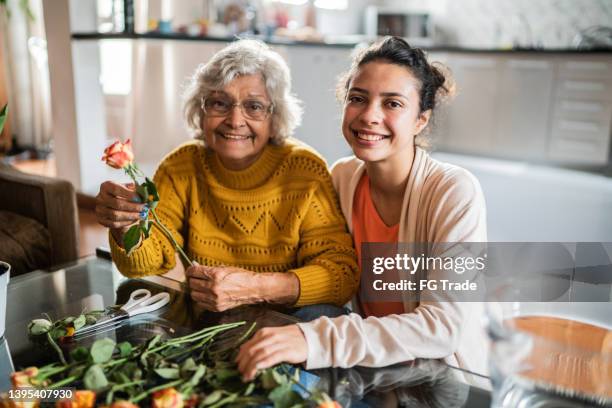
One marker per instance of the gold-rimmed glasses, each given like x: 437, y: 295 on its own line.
x: 219, y: 106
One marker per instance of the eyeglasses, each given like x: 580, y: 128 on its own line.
x: 251, y: 108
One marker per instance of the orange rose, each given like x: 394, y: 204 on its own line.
x: 119, y: 155
x: 123, y: 404
x: 329, y: 404
x: 167, y: 398
x: 20, y: 404
x: 24, y: 378
x: 80, y: 399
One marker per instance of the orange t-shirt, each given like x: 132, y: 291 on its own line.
x: 369, y: 227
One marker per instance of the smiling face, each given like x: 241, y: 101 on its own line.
x: 237, y: 139
x: 382, y: 113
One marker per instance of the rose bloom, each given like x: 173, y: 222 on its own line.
x: 80, y: 399
x: 167, y: 398
x: 119, y: 155
x: 329, y: 404
x: 123, y: 404
x: 5, y: 402
x: 24, y: 378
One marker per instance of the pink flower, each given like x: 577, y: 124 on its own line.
x: 119, y: 155
x: 167, y: 398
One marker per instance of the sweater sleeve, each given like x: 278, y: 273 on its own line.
x: 329, y: 271
x: 434, y: 329
x: 156, y: 254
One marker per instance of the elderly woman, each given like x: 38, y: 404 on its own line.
x: 254, y: 208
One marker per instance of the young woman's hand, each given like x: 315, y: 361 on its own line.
x: 271, y: 346
x: 118, y: 207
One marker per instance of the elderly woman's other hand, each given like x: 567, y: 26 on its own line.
x: 118, y: 207
x: 219, y: 288
x: 271, y: 346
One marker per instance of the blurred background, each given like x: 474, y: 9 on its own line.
x: 532, y: 116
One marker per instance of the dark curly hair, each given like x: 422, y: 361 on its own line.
x: 436, y: 82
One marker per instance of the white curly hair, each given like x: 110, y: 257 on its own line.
x: 245, y: 57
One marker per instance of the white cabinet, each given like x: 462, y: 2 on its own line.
x: 542, y: 108
x: 580, y: 125
x: 524, y: 108
x: 315, y: 71
x: 469, y: 123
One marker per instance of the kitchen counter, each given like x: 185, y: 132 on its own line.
x: 345, y: 42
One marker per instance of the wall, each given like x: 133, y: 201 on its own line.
x: 486, y: 23
x: 528, y: 23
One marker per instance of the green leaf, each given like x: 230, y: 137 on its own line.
x: 79, y: 354
x: 168, y: 373
x: 152, y: 190
x: 197, y: 376
x: 188, y: 365
x: 57, y: 332
x: 79, y: 322
x: 279, y: 378
x: 90, y: 319
x: 153, y: 342
x: 284, y: 397
x: 3, y: 115
x: 131, y: 238
x: 143, y: 192
x: 77, y: 371
x: 132, y: 371
x: 125, y: 349
x: 67, y: 320
x: 249, y: 389
x: 95, y: 379
x: 145, y: 227
x: 267, y: 379
x: 39, y: 326
x: 102, y: 350
x: 224, y: 374
x: 212, y: 397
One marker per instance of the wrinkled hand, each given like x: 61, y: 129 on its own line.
x: 118, y: 207
x: 219, y: 288
x: 271, y: 346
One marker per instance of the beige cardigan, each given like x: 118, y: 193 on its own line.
x: 442, y: 203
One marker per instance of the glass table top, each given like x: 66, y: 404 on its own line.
x: 94, y: 283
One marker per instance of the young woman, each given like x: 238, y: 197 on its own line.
x: 391, y: 191
x: 252, y: 206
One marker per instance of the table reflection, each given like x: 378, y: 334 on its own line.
x: 93, y: 283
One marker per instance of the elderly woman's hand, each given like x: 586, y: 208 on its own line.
x: 271, y: 346
x: 219, y: 288
x: 118, y: 207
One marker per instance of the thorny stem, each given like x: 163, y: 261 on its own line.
x: 53, y: 344
x: 168, y: 234
x: 132, y: 170
x: 158, y: 388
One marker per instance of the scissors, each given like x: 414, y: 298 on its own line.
x: 140, y: 302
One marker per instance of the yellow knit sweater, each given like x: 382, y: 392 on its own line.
x: 279, y: 215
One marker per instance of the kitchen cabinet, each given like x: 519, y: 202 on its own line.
x: 549, y: 108
x: 524, y: 105
x: 315, y: 71
x: 469, y: 123
x: 580, y: 125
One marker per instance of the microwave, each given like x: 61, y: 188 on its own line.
x: 415, y: 27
